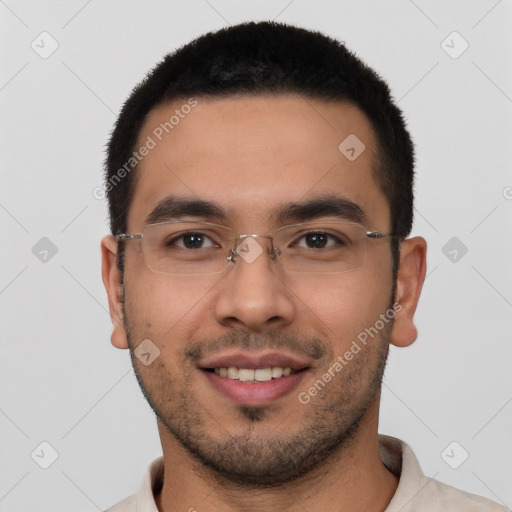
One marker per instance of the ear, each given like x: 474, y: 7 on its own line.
x: 410, y: 278
x: 112, y: 282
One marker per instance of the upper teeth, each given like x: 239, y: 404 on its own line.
x: 260, y: 375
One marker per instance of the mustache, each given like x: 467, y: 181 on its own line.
x: 313, y: 348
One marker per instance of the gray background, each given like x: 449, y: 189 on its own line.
x: 61, y: 380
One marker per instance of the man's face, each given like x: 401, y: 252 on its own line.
x: 250, y: 156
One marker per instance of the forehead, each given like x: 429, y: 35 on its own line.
x: 251, y: 155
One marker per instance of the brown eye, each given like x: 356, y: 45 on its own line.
x: 320, y: 240
x: 317, y: 240
x: 190, y: 240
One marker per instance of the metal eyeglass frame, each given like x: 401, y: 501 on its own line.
x: 274, y: 252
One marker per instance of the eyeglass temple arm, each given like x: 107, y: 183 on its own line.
x: 124, y: 236
x: 376, y: 234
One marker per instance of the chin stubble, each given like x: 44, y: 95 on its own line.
x: 252, y: 460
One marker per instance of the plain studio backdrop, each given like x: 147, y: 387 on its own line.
x: 69, y: 401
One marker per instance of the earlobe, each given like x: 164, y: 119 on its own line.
x: 112, y: 282
x: 411, y: 275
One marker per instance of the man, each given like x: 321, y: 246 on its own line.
x: 260, y: 185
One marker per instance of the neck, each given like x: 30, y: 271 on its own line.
x: 355, y: 479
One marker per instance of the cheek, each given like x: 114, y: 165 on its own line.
x: 344, y: 305
x: 160, y: 305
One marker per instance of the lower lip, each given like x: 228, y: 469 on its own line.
x: 254, y: 393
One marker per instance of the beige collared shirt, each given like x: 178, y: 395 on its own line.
x: 415, y: 492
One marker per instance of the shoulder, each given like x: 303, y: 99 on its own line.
x: 418, y: 493
x: 127, y: 505
x: 144, y: 500
x: 453, y: 499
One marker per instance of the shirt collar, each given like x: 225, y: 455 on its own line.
x: 151, y: 485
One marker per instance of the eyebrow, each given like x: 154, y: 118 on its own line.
x: 329, y: 205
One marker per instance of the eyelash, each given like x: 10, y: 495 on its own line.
x: 198, y: 233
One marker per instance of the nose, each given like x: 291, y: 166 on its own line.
x: 253, y: 292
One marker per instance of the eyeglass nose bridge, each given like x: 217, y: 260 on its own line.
x: 273, y: 251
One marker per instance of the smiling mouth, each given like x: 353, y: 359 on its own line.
x: 254, y: 375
